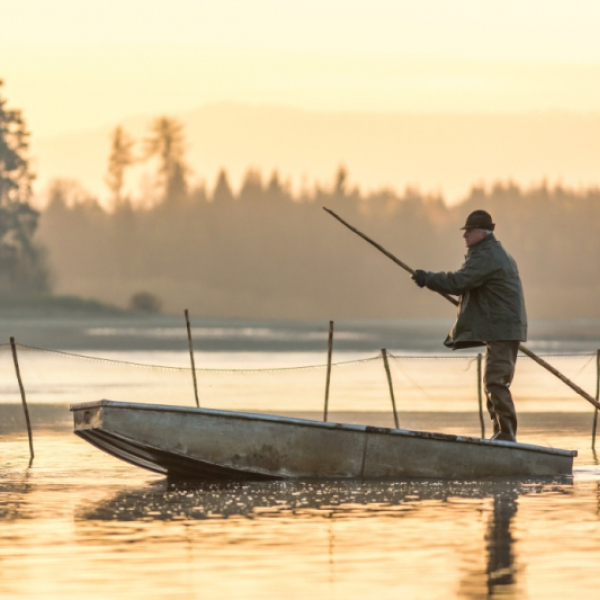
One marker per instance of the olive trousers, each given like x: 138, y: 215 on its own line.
x: 500, y: 363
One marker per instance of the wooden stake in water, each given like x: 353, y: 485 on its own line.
x: 597, y: 398
x: 191, y: 346
x: 480, y: 394
x: 23, y: 399
x: 329, y: 352
x: 390, y: 385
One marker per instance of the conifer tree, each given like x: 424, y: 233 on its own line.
x: 167, y: 142
x: 222, y: 193
x: 21, y: 261
x: 121, y: 157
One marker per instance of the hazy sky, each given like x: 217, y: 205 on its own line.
x: 77, y: 65
x: 534, y: 29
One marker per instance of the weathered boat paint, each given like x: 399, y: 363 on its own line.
x: 214, y: 444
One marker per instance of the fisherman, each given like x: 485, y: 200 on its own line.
x: 491, y: 313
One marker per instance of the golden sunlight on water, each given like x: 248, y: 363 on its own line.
x: 79, y: 523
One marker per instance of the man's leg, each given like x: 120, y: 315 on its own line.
x: 500, y: 362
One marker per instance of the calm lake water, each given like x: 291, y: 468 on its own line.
x: 80, y: 524
x: 77, y: 523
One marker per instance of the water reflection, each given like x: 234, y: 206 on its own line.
x: 14, y: 494
x: 325, y: 499
x: 337, y: 539
x: 494, y: 576
x: 500, y: 578
x: 500, y: 565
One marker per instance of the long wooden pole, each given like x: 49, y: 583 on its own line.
x: 480, y: 394
x: 328, y: 379
x: 13, y: 347
x: 390, y: 385
x: 382, y: 249
x: 597, y: 398
x: 191, y: 346
x: 523, y: 349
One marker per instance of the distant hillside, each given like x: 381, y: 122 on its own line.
x: 438, y: 152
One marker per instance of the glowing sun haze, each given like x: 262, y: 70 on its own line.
x: 77, y: 65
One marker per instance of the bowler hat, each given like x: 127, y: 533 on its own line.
x: 479, y: 219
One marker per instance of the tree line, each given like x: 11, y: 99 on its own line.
x: 267, y: 251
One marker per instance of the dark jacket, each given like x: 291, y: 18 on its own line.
x: 491, y: 305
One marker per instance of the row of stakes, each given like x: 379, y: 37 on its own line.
x: 327, y: 384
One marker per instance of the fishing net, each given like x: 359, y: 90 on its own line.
x: 420, y: 383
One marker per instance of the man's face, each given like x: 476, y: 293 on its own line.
x: 473, y: 236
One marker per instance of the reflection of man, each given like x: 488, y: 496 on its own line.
x: 500, y: 568
x: 491, y: 312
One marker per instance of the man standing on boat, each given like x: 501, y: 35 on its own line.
x: 491, y: 313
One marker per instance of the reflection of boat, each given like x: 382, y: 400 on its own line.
x: 211, y: 444
x: 314, y: 499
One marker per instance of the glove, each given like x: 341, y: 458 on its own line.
x: 419, y: 277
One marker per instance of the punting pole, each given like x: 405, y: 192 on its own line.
x: 597, y: 398
x: 189, y: 332
x: 523, y: 349
x: 328, y: 379
x: 390, y: 385
x: 480, y: 394
x: 13, y: 347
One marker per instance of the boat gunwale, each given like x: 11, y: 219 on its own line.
x: 443, y: 437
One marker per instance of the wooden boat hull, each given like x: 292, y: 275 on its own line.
x: 209, y: 444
